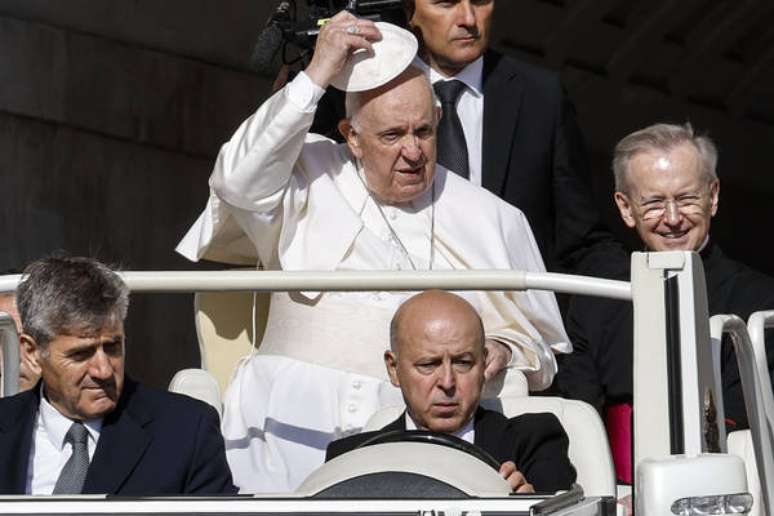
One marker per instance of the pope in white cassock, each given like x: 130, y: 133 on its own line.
x: 297, y: 201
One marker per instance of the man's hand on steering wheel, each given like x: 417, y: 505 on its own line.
x: 515, y: 478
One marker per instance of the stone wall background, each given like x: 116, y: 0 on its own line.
x: 111, y: 115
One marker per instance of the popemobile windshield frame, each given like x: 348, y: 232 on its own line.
x: 670, y: 335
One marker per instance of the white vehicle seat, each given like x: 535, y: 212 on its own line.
x: 225, y: 331
x: 198, y: 384
x: 740, y: 444
x: 589, y: 451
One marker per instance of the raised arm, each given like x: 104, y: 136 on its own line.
x: 255, y: 168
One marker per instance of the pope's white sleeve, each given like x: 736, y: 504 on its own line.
x: 529, y: 322
x: 254, y: 166
x: 240, y: 223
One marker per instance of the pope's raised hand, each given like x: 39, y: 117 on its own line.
x: 342, y: 36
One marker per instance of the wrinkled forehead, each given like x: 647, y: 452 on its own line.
x: 106, y: 326
x: 409, y: 99
x: 442, y: 336
x: 670, y: 171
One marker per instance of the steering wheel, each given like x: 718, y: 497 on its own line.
x: 439, y: 438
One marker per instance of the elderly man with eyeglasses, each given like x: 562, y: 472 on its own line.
x: 667, y: 190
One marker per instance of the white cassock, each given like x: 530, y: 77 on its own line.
x: 296, y: 201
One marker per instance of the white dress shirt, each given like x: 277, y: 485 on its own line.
x: 466, y: 433
x: 470, y: 108
x: 49, y: 452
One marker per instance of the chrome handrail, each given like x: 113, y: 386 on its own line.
x: 351, y: 281
x: 755, y: 398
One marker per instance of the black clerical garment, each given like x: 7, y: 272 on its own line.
x: 599, y: 371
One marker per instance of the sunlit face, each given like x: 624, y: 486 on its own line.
x: 394, y: 136
x: 454, y: 33
x: 670, y: 203
x: 83, y: 375
x: 439, y: 368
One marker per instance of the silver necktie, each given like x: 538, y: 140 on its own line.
x: 73, y: 474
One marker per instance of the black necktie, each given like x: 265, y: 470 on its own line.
x: 452, y: 148
x: 73, y: 473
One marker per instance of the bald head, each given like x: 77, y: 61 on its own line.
x: 429, y: 309
x: 437, y: 359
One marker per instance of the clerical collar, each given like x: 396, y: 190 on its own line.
x: 466, y: 433
x: 472, y: 75
x: 56, y: 425
x: 703, y: 244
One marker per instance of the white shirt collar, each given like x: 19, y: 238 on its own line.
x: 466, y: 433
x: 56, y: 425
x: 703, y: 244
x: 472, y: 75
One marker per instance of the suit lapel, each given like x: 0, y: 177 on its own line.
x: 490, y: 433
x: 397, y: 425
x: 502, y: 100
x: 17, y: 422
x: 121, y: 445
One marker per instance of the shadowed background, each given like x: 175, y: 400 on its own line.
x: 112, y: 113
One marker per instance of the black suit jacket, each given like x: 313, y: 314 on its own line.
x: 536, y: 443
x: 599, y: 371
x: 153, y: 443
x: 533, y: 157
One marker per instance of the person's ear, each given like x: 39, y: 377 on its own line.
x: 351, y: 136
x: 714, y: 197
x: 625, y: 209
x: 391, y: 361
x: 30, y: 352
x: 29, y: 371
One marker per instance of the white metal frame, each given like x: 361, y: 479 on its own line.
x: 285, y: 505
x: 757, y: 324
x: 9, y: 346
x: 657, y: 407
x: 756, y: 386
x: 648, y: 273
x: 352, y: 281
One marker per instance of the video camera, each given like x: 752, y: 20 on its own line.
x: 284, y: 28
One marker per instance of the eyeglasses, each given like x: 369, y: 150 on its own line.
x: 686, y: 204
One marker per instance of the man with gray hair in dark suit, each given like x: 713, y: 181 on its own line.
x: 86, y: 427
